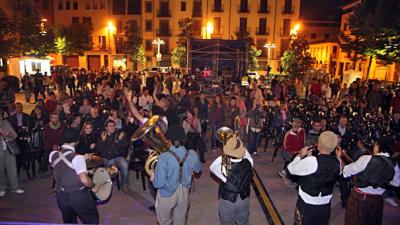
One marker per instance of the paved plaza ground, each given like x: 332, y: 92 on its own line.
x: 38, y: 203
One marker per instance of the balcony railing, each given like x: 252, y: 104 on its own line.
x: 262, y: 10
x: 262, y: 31
x: 242, y: 30
x: 164, y: 13
x: 288, y: 10
x: 217, y: 8
x: 243, y: 8
x: 164, y: 32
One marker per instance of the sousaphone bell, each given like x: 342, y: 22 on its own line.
x: 152, y: 135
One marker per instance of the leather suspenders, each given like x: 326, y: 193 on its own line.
x: 180, y: 162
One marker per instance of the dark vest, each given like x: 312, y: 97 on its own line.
x: 65, y: 177
x: 323, y: 180
x: 237, y: 182
x: 379, y: 172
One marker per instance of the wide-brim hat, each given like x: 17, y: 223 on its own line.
x: 69, y: 135
x: 234, y: 147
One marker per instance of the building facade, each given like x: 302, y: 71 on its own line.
x: 268, y: 21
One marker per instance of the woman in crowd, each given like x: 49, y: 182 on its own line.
x: 217, y: 119
x: 114, y: 117
x: 87, y: 139
x: 254, y: 127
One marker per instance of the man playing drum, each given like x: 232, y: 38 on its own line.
x: 74, y: 197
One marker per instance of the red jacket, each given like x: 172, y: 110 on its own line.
x: 52, y: 137
x: 294, y: 142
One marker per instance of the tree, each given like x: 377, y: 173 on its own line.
x: 179, y: 56
x: 134, y: 43
x: 374, y: 32
x: 28, y: 31
x: 253, y: 60
x: 245, y: 35
x: 296, y: 59
x: 186, y: 31
x: 7, y: 40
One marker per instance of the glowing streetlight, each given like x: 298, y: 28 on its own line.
x: 208, y: 30
x: 269, y: 46
x: 110, y: 28
x: 158, y: 42
x: 295, y: 29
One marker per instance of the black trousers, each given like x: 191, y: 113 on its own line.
x: 307, y: 214
x: 79, y: 204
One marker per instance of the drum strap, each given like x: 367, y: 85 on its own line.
x: 61, y: 157
x: 180, y: 162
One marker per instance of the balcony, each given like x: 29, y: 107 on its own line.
x: 262, y: 32
x: 288, y: 10
x: 217, y: 8
x: 264, y: 9
x: 164, y: 32
x: 243, y: 8
x: 242, y: 30
x: 197, y: 13
x: 164, y: 13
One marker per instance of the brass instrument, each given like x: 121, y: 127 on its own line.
x: 153, y: 136
x: 223, y: 134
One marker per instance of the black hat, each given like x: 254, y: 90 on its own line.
x: 176, y: 133
x: 69, y: 135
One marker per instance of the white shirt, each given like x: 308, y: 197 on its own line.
x: 216, y: 169
x: 361, y: 164
x: 78, y: 161
x: 342, y: 130
x: 304, y: 167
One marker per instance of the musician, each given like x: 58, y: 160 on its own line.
x: 373, y: 172
x: 317, y: 175
x: 72, y: 182
x: 112, y: 147
x: 234, y: 190
x: 173, y: 178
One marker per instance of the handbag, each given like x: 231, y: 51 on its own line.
x: 12, y: 147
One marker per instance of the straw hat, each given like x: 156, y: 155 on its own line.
x: 234, y: 147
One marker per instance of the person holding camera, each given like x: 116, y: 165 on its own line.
x: 317, y: 170
x: 254, y: 126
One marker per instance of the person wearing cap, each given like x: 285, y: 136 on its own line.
x: 73, y: 185
x: 293, y: 142
x: 234, y: 188
x: 374, y: 174
x: 317, y: 176
x: 173, y: 178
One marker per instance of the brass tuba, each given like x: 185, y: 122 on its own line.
x: 224, y: 133
x: 153, y: 136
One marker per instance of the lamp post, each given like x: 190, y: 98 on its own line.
x: 269, y: 46
x: 158, y: 42
x: 110, y: 27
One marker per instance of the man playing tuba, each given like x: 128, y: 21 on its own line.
x: 235, y: 170
x: 173, y: 178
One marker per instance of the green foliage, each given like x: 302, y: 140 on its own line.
x: 134, y: 44
x: 179, y: 56
x: 253, y: 60
x: 186, y: 31
x: 78, y: 38
x: 60, y: 44
x: 27, y: 30
x: 7, y: 40
x: 296, y: 59
x: 374, y: 31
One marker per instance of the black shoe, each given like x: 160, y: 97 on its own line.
x: 152, y: 208
x: 203, y: 161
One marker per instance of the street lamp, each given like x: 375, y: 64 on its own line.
x: 208, y: 30
x: 269, y: 46
x: 158, y: 42
x: 110, y: 27
x: 295, y: 29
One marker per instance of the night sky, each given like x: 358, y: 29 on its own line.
x: 320, y: 9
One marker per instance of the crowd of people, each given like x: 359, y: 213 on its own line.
x: 102, y: 111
